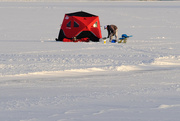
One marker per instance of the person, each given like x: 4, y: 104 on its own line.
x: 112, y: 31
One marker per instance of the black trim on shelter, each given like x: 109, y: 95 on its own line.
x: 80, y: 14
x: 61, y: 35
x: 89, y: 35
x: 83, y: 34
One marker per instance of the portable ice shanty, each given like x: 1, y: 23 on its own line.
x: 80, y: 26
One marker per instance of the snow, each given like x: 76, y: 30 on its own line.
x: 45, y: 80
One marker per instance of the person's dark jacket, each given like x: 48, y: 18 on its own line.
x: 111, y: 30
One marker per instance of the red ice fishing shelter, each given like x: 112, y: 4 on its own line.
x: 80, y: 26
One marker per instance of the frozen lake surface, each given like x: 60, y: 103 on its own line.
x: 43, y: 80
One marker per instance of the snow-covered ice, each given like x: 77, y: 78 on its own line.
x: 44, y: 80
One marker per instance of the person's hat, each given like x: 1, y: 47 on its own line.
x: 105, y: 27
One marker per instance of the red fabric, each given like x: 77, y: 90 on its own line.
x: 78, y: 40
x: 85, y: 24
x: 67, y: 40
